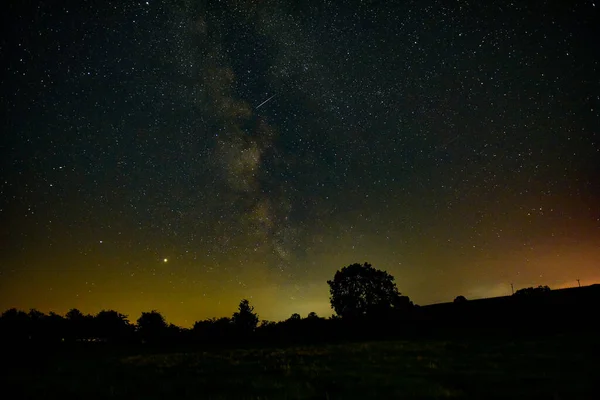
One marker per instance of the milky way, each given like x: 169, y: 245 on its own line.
x: 258, y: 147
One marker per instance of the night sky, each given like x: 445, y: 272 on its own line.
x: 183, y: 155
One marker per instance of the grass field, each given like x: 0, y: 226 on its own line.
x: 550, y: 368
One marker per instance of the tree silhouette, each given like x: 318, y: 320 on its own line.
x: 295, y: 317
x: 74, y: 315
x: 152, y: 326
x: 222, y: 328
x: 361, y: 290
x: 213, y: 330
x: 14, y: 325
x: 532, y: 291
x: 402, y: 303
x: 312, y: 315
x: 112, y: 326
x: 267, y: 324
x: 245, y: 319
x: 36, y: 324
x: 55, y: 328
x: 79, y: 326
x: 460, y: 299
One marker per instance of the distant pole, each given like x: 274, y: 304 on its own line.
x: 578, y: 283
x: 512, y: 288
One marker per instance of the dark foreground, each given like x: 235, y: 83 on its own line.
x: 561, y: 367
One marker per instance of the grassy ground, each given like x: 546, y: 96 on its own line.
x: 552, y: 368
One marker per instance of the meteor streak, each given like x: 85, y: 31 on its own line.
x: 264, y: 102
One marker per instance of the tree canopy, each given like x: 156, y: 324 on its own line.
x: 245, y: 319
x: 460, y: 299
x: 532, y: 291
x: 295, y: 317
x: 312, y: 315
x: 152, y: 326
x: 360, y: 290
x: 112, y: 325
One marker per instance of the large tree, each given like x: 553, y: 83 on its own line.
x: 112, y: 326
x: 152, y: 326
x: 245, y: 319
x: 360, y: 290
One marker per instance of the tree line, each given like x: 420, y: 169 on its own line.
x: 109, y: 326
x: 366, y: 302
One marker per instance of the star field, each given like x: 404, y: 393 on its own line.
x: 183, y: 155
